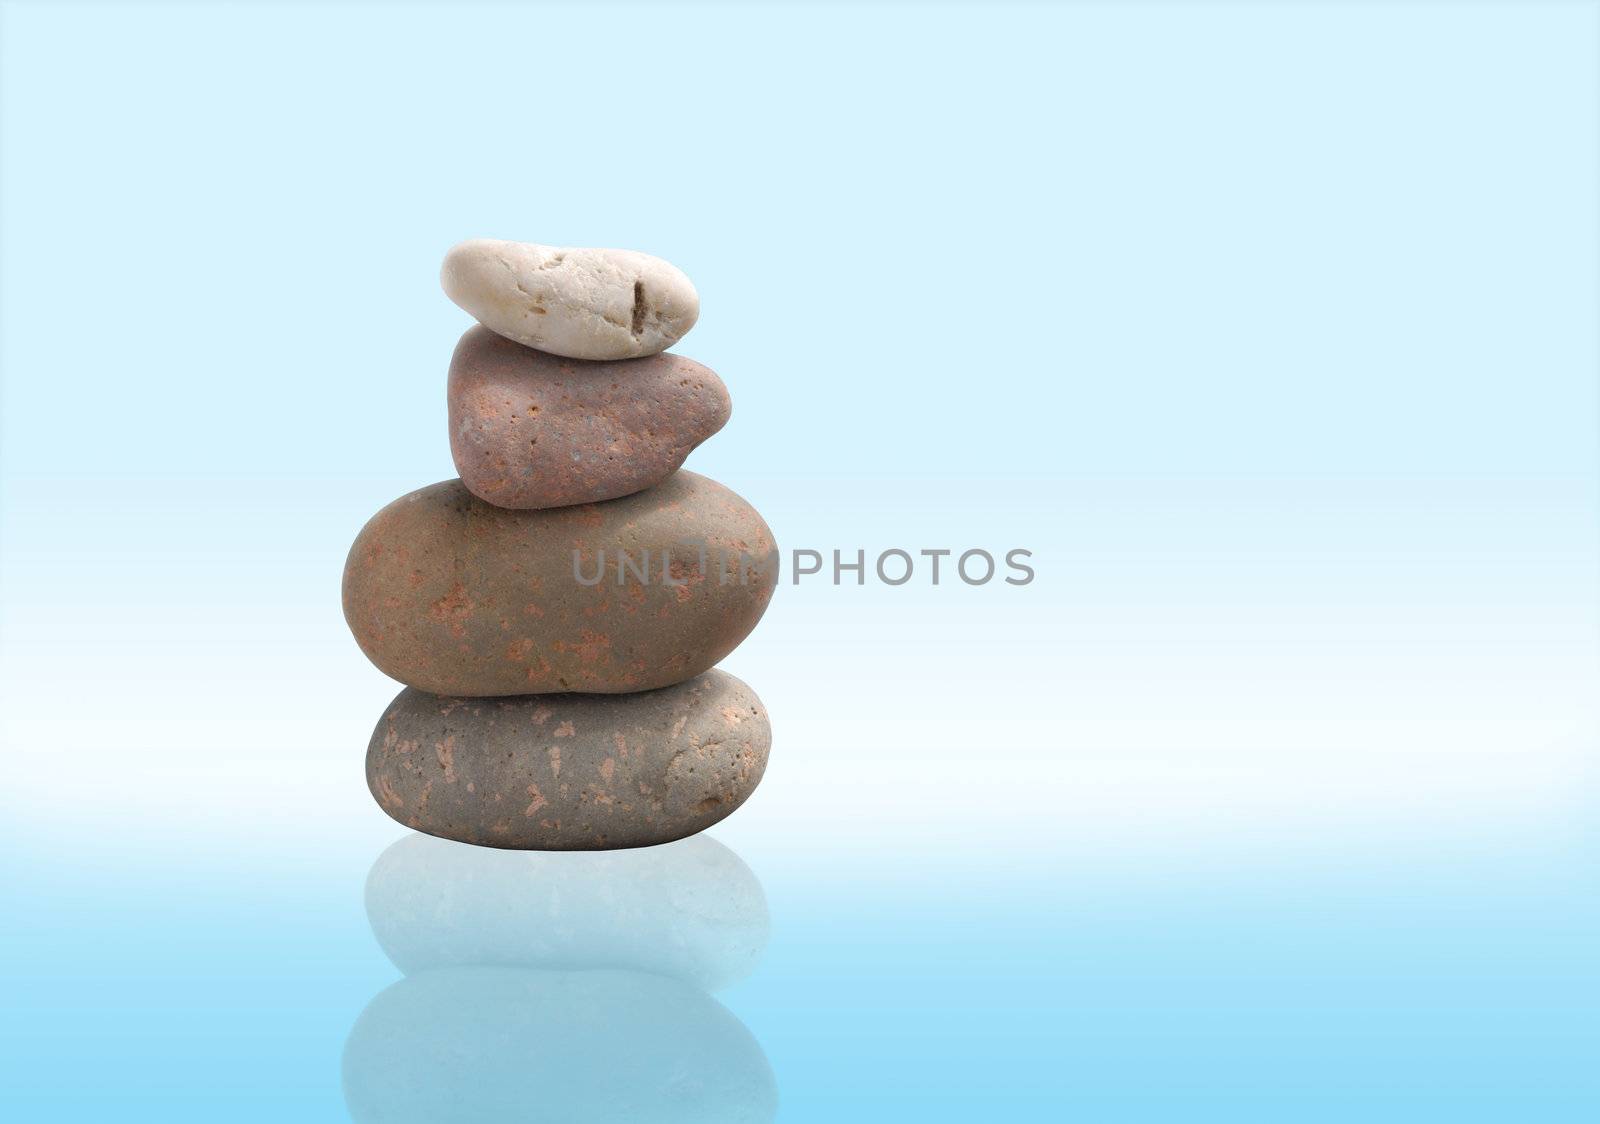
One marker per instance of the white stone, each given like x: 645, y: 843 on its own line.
x: 580, y: 303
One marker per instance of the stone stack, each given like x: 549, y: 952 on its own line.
x: 556, y: 612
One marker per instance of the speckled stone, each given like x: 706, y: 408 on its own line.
x: 495, y: 1045
x: 456, y: 596
x: 570, y: 772
x: 690, y: 909
x: 531, y: 430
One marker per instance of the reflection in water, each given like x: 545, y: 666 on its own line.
x: 690, y: 909
x: 560, y: 986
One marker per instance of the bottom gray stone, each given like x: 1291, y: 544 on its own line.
x: 570, y: 772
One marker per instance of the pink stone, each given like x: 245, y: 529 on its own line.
x: 532, y: 430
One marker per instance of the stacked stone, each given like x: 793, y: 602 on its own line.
x: 556, y: 612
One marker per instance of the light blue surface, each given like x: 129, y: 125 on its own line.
x: 1270, y: 329
x: 1451, y: 990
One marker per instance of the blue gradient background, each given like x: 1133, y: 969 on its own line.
x: 1270, y: 329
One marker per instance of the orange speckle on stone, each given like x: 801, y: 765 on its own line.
x: 387, y: 794
x: 592, y: 646
x: 453, y: 608
x: 445, y: 751
x: 519, y: 650
x: 555, y: 760
x: 688, y: 573
x: 538, y: 800
x: 608, y: 768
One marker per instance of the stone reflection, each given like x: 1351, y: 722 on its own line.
x: 560, y: 986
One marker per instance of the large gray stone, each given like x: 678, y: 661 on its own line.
x: 570, y: 772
